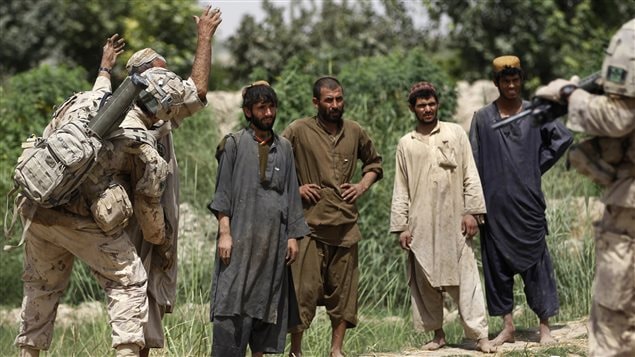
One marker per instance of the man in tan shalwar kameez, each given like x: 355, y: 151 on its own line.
x: 437, y: 201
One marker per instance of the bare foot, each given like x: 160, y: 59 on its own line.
x: 485, y: 346
x: 434, y: 345
x: 507, y: 335
x: 545, y: 333
x: 337, y: 354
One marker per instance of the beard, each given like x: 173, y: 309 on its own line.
x: 333, y: 115
x: 427, y: 120
x: 261, y: 125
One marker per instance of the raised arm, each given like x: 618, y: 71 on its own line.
x: 206, y: 26
x: 112, y: 49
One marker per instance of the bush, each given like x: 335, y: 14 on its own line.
x: 26, y: 104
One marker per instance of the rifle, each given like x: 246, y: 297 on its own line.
x: 543, y: 110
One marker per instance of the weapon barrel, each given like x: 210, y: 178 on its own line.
x: 512, y: 119
x: 589, y: 84
x: 113, y: 112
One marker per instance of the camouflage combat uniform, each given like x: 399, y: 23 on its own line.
x: 613, y: 310
x: 56, y: 236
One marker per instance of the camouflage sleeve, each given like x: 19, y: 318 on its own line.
x: 601, y: 115
x: 102, y: 84
x: 192, y: 103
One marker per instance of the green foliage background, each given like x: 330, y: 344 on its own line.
x: 376, y: 55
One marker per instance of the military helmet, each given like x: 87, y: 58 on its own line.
x: 618, y: 68
x: 164, y: 96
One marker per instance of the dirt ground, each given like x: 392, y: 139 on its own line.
x: 566, y: 334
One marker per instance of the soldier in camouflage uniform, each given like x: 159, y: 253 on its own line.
x: 55, y: 236
x: 188, y: 96
x: 611, y: 118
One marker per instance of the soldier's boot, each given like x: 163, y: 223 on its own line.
x: 127, y: 350
x: 29, y: 352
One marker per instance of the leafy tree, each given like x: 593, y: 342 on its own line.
x: 27, y: 100
x: 553, y: 38
x: 165, y: 25
x: 26, y: 104
x: 58, y: 31
x: 322, y: 39
x: 73, y: 32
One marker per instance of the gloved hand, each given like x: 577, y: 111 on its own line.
x: 166, y: 254
x: 556, y: 91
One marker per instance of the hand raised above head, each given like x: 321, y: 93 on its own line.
x: 112, y: 49
x: 208, y: 22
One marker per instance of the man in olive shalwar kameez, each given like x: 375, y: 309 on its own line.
x: 257, y: 203
x: 326, y: 149
x: 437, y: 201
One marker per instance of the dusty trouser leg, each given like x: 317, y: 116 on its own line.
x: 427, y: 304
x: 119, y: 271
x: 125, y: 286
x: 127, y: 350
x: 469, y: 296
x: 308, y: 283
x: 29, y: 352
x: 612, y: 318
x: 47, y: 269
x: 427, y: 301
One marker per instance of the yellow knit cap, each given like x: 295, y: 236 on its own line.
x: 503, y: 62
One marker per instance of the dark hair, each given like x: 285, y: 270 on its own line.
x: 511, y: 71
x: 260, y: 93
x: 325, y: 82
x: 422, y: 90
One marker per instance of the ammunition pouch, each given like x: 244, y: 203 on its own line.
x: 112, y: 209
x: 597, y: 158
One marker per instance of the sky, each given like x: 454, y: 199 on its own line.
x: 234, y: 10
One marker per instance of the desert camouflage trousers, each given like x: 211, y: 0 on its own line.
x: 612, y: 322
x: 49, y: 252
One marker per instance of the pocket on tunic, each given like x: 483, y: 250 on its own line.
x: 446, y: 157
x: 274, y: 174
x: 614, y: 284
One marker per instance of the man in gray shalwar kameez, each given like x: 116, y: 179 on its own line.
x: 258, y: 206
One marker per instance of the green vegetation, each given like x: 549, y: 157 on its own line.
x: 375, y: 91
x: 377, y: 56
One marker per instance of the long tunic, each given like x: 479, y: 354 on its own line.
x: 436, y: 183
x: 511, y: 161
x: 330, y: 161
x: 264, y: 214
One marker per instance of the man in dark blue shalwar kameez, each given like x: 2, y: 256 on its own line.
x: 511, y: 161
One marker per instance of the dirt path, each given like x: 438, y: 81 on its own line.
x: 571, y: 333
